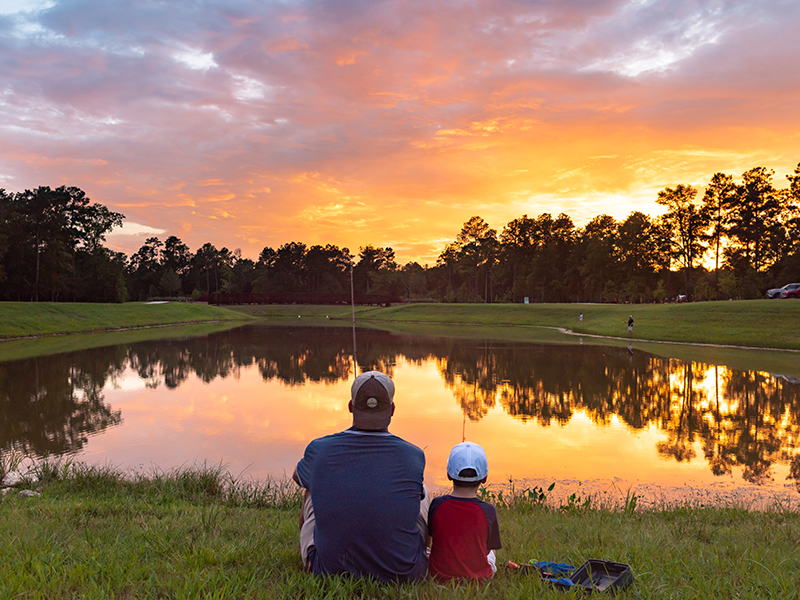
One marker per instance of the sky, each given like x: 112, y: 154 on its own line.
x: 351, y: 122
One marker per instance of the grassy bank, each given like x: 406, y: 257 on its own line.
x: 199, y: 533
x: 22, y: 348
x: 22, y: 319
x: 752, y: 323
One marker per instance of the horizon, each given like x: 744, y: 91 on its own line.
x: 249, y: 125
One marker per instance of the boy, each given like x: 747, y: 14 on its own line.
x: 464, y: 528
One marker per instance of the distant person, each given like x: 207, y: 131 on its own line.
x: 464, y: 529
x: 365, y: 508
x: 630, y: 324
x: 580, y: 318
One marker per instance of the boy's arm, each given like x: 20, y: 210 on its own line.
x: 493, y: 541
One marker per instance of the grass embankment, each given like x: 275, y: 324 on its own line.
x: 22, y: 348
x: 198, y: 533
x: 752, y: 323
x: 748, y: 323
x: 23, y: 319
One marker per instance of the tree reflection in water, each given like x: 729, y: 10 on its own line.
x: 51, y: 405
x: 738, y: 418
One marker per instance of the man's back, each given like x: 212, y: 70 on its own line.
x: 365, y: 489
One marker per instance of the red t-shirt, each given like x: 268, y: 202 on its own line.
x: 463, y: 532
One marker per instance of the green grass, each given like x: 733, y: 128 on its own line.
x: 197, y: 532
x: 22, y: 319
x: 17, y: 349
x: 756, y: 324
x: 750, y: 323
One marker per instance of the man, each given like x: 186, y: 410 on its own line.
x: 365, y: 508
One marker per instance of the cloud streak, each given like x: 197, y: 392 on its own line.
x: 257, y: 123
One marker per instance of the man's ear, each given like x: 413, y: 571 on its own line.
x: 392, y: 408
x: 484, y: 479
x: 350, y: 406
x: 449, y: 478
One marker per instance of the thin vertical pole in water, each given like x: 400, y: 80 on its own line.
x: 353, y: 308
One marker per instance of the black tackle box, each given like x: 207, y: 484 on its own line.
x: 599, y: 576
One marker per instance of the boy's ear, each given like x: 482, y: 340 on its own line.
x: 484, y: 479
x: 449, y: 478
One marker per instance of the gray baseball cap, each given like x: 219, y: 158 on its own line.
x: 372, y: 395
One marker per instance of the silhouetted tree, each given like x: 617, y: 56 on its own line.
x: 518, y: 242
x: 327, y: 269
x: 686, y: 223
x: 48, y: 234
x: 476, y: 248
x: 756, y: 217
x: 596, y: 258
x: 548, y: 271
x: 145, y: 269
x: 718, y: 199
x: 642, y: 251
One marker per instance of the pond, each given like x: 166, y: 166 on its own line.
x: 594, y: 418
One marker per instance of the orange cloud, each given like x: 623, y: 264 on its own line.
x: 389, y: 124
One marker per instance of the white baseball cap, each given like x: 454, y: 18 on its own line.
x: 467, y: 455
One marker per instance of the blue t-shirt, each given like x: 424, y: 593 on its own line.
x: 366, y: 489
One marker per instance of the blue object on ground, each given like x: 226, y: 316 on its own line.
x: 554, y: 567
x: 562, y: 581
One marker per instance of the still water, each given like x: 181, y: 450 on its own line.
x: 253, y: 397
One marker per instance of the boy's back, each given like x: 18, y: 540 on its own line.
x: 464, y: 530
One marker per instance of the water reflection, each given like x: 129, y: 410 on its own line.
x: 51, y: 406
x: 741, y: 419
x: 738, y: 420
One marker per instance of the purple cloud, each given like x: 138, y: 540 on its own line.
x: 255, y: 123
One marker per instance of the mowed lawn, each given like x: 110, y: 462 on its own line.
x: 21, y: 319
x: 750, y: 323
x: 753, y: 323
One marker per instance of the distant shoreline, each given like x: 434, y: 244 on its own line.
x: 28, y: 320
x: 743, y: 324
x: 747, y: 324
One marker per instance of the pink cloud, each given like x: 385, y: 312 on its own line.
x: 390, y: 122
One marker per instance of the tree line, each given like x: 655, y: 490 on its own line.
x: 736, y: 240
x: 51, y: 247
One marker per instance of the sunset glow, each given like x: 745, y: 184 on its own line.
x: 259, y: 429
x: 252, y: 124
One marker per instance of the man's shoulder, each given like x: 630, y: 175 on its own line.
x: 326, y: 439
x: 356, y: 437
x: 406, y: 444
x: 378, y: 437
